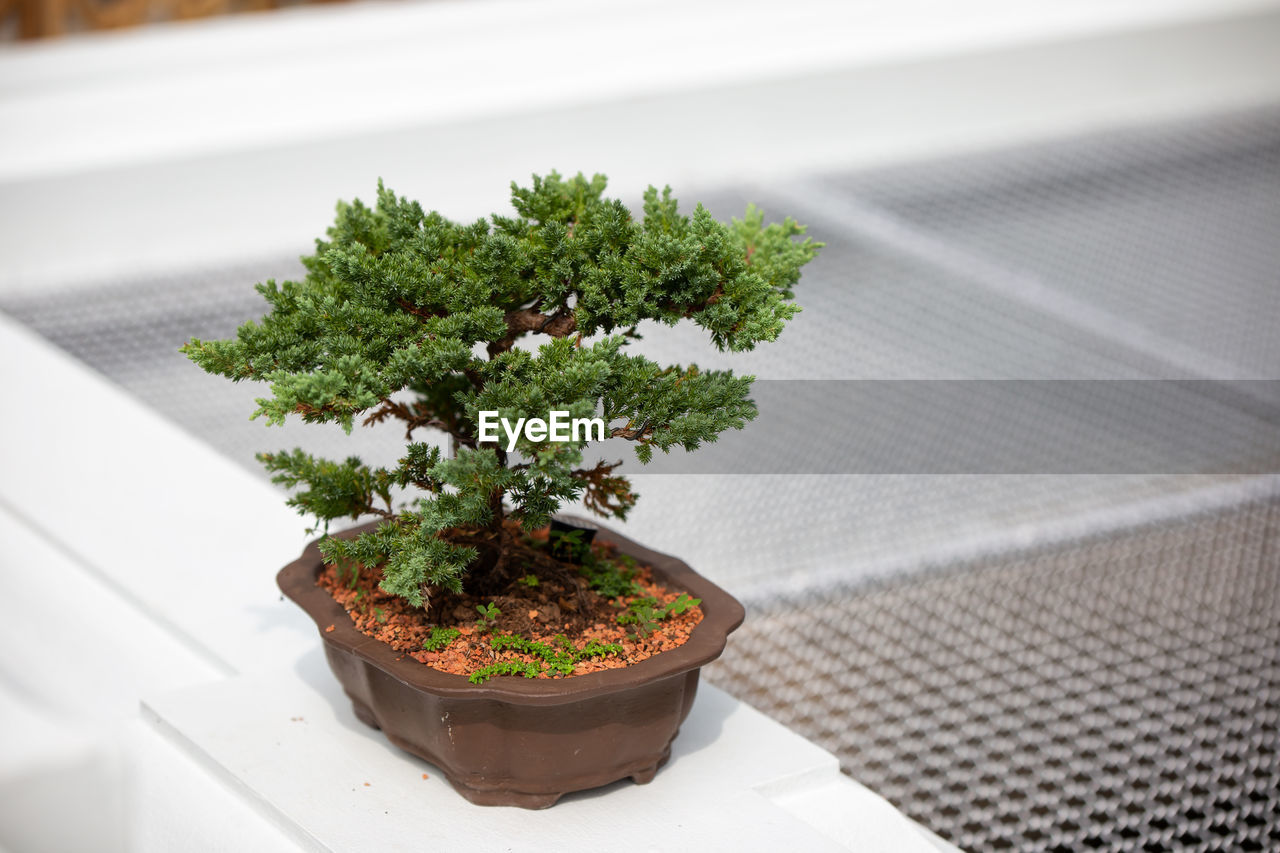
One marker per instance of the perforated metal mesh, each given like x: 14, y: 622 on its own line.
x: 1175, y: 233
x: 1043, y: 661
x: 1112, y: 693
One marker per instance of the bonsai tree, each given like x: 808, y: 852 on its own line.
x: 406, y: 316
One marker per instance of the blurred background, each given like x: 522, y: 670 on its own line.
x: 42, y: 19
x: 1007, y: 191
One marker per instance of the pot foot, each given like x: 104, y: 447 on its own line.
x: 645, y: 776
x: 364, y: 715
x: 519, y: 799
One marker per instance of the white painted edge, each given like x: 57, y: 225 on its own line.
x: 158, y: 516
x: 135, y: 96
x: 141, y: 154
x: 104, y: 646
x: 179, y: 805
x: 752, y: 780
x: 842, y: 808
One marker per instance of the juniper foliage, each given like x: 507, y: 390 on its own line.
x: 405, y: 315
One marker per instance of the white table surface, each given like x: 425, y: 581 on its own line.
x: 172, y: 673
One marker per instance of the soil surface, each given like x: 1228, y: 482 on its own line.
x: 539, y: 597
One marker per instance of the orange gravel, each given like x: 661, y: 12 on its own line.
x: 560, y: 603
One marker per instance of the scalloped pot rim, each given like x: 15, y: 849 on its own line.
x: 722, y: 614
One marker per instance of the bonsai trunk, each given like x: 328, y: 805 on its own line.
x: 488, y: 570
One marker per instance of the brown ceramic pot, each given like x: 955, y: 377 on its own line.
x: 516, y: 741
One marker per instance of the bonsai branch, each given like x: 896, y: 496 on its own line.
x: 317, y: 412
x: 603, y: 493
x: 641, y: 433
x: 601, y: 470
x: 418, y: 416
x: 421, y: 313
x: 562, y: 323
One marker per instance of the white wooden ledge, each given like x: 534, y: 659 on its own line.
x: 165, y: 553
x: 736, y: 781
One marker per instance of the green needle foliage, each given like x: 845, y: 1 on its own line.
x: 405, y: 315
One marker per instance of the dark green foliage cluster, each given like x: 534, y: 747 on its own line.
x: 558, y: 660
x: 645, y: 613
x: 407, y: 316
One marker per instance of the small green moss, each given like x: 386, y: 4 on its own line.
x: 489, y: 614
x: 440, y: 638
x: 645, y: 613
x: 558, y: 660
